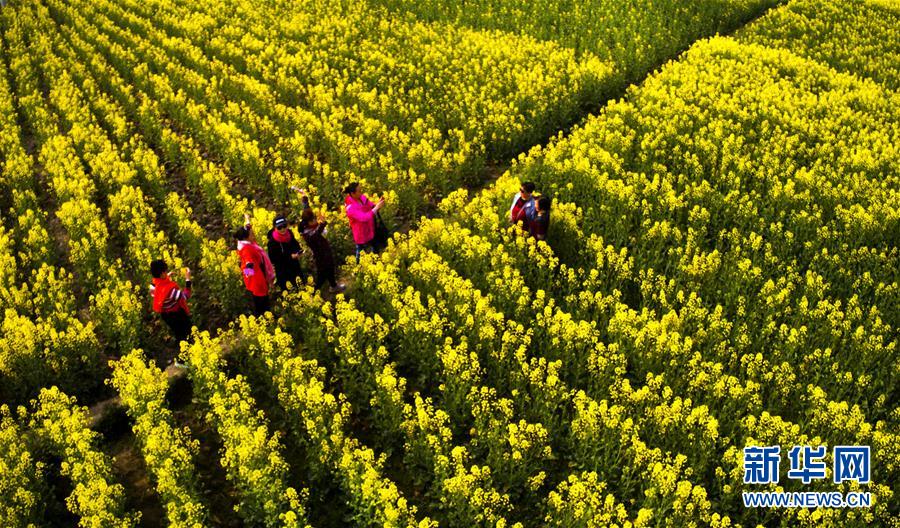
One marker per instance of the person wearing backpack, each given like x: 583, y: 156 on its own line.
x: 361, y: 213
x: 257, y: 269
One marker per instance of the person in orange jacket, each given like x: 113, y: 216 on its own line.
x: 257, y: 269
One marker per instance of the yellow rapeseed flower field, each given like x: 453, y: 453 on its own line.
x: 721, y: 270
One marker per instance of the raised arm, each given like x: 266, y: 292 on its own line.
x: 304, y: 198
x: 186, y: 291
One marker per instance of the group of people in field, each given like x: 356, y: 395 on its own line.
x: 279, y: 263
x: 532, y: 213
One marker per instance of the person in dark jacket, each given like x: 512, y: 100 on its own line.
x: 538, y: 227
x: 313, y: 231
x: 284, y: 252
x: 170, y: 301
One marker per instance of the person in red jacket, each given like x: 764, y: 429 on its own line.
x: 170, y: 301
x: 259, y: 274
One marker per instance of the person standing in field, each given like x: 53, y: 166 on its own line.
x: 170, y: 301
x: 284, y: 252
x: 538, y: 227
x: 313, y: 229
x: 257, y: 269
x: 361, y: 215
x: 523, y: 204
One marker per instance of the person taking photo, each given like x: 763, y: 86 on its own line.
x: 361, y: 215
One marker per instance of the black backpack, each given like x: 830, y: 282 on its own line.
x: 382, y: 234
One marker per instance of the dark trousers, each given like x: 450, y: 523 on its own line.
x: 298, y: 279
x: 325, y: 274
x: 260, y: 304
x: 180, y: 323
x: 361, y: 248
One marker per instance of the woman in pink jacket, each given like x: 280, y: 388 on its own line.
x: 361, y: 214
